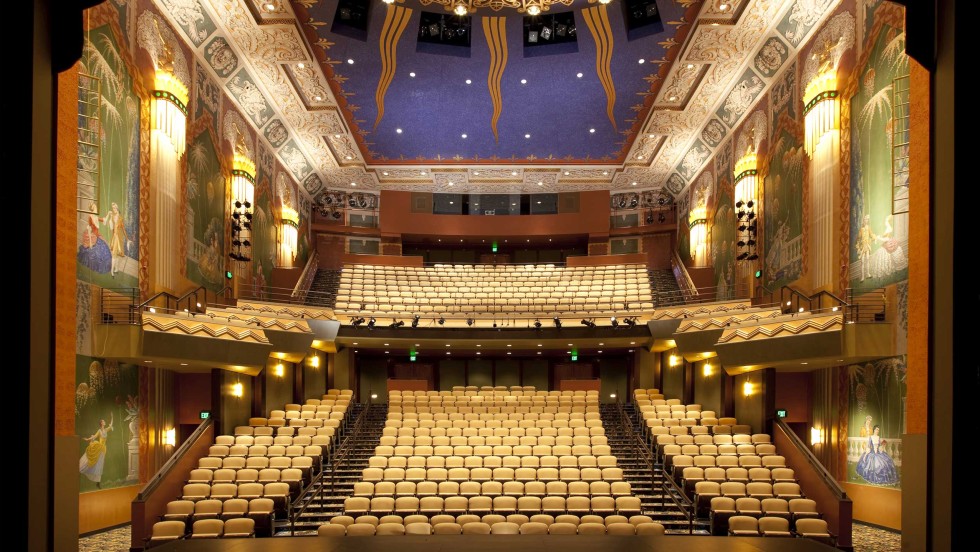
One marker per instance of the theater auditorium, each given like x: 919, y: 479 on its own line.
x: 625, y: 274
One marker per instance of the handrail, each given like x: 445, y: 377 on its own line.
x: 638, y: 444
x: 154, y: 481
x: 306, y: 277
x: 683, y: 277
x: 829, y: 480
x: 341, y: 454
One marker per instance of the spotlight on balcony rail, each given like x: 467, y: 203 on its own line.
x: 357, y: 321
x: 371, y: 322
x: 558, y: 322
x: 537, y: 323
x: 442, y: 321
x: 587, y: 322
x: 415, y: 321
x: 469, y: 321
x: 397, y: 324
x: 631, y: 321
x: 614, y: 322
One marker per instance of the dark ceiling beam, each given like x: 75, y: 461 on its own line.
x: 67, y: 32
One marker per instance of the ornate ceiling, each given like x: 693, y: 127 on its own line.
x: 622, y: 125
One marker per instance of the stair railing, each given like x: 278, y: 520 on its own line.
x: 640, y: 449
x: 302, y: 287
x: 688, y: 290
x: 298, y: 506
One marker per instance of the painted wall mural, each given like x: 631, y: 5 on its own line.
x: 723, y: 231
x: 876, y: 422
x: 107, y: 419
x: 683, y: 231
x: 108, y: 164
x: 783, y: 190
x: 879, y: 162
x: 205, y: 212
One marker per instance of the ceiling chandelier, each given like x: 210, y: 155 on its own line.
x: 530, y: 7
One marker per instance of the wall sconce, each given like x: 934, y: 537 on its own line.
x: 237, y: 390
x: 816, y: 436
x: 748, y: 388
x: 170, y: 99
x: 674, y: 360
x: 315, y: 361
x: 707, y: 369
x: 698, y: 222
x: 290, y: 233
x: 169, y: 437
x: 821, y: 108
x: 279, y: 370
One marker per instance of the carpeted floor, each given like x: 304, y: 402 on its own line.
x: 866, y: 539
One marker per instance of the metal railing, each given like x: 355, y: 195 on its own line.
x: 866, y: 306
x: 688, y: 291
x: 119, y: 305
x: 178, y: 454
x: 640, y: 449
x: 306, y: 278
x: 342, y: 452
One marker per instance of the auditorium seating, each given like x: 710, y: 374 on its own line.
x: 502, y: 290
x: 493, y: 524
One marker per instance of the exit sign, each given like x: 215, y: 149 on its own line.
x: 781, y: 413
x: 205, y: 414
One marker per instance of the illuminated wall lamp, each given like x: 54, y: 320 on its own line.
x: 707, y: 369
x: 674, y: 360
x: 748, y: 389
x: 237, y: 390
x: 821, y: 108
x: 315, y: 361
x: 279, y: 370
x: 169, y: 437
x: 816, y: 436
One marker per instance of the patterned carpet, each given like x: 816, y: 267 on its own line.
x: 866, y: 539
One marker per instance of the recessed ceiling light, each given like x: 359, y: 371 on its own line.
x: 567, y: 173
x: 301, y: 65
x: 478, y: 352
x: 539, y: 352
x: 508, y: 352
x: 353, y: 183
x: 440, y: 241
x: 386, y: 344
x: 386, y: 352
x: 601, y: 344
x: 634, y: 183
x: 672, y: 98
x: 714, y: 24
x: 478, y: 345
x: 412, y: 74
x: 463, y: 135
x: 350, y: 61
x: 579, y: 75
x: 450, y: 183
x: 185, y: 364
x: 600, y: 352
x: 527, y: 135
x: 508, y: 344
x: 448, y: 353
x: 336, y: 136
x: 460, y: 241
x: 398, y: 130
x: 651, y: 136
x: 355, y: 343
x: 642, y: 61
x: 513, y: 173
x: 569, y: 344
x: 318, y: 98
x: 540, y: 184
x: 523, y: 81
x: 632, y: 343
x: 422, y: 173
x: 539, y: 203
x: 723, y: 6
x: 690, y: 66
x: 639, y: 157
x: 446, y: 343
x: 539, y: 345
x: 269, y: 6
x: 804, y: 363
x: 591, y: 131
x: 385, y: 173
x: 347, y: 157
x: 468, y: 81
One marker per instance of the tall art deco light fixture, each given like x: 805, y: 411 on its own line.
x: 170, y: 98
x: 698, y: 222
x: 242, y: 199
x: 821, y: 104
x: 290, y: 233
x: 746, y: 202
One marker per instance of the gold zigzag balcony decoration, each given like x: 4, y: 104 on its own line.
x: 699, y: 311
x: 290, y: 311
x: 817, y: 324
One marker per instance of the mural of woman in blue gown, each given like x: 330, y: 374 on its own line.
x: 875, y: 466
x: 94, y: 252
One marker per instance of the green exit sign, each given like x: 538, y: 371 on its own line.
x: 205, y: 414
x: 781, y: 413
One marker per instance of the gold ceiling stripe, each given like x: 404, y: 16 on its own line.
x: 597, y: 20
x: 495, y: 31
x: 395, y: 22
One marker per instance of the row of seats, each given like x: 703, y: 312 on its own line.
x: 495, y: 409
x: 329, y: 427
x: 169, y: 531
x: 315, y: 451
x: 500, y: 504
x: 188, y: 511
x: 675, y: 465
x: 502, y: 415
x: 494, y: 450
x: 492, y: 488
x: 495, y: 474
x: 564, y: 430
x: 724, y: 507
x: 491, y: 461
x: 478, y: 400
x: 516, y: 390
x: 704, y: 491
x: 492, y: 434
x: 279, y: 492
x: 214, y: 463
x: 305, y: 438
x: 495, y: 524
x: 680, y: 436
x: 762, y: 449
